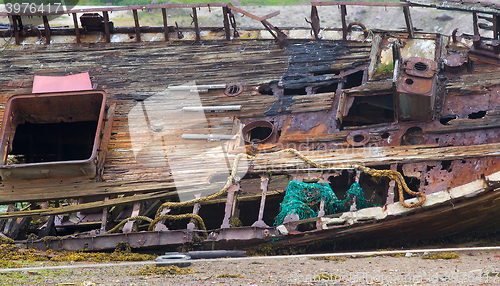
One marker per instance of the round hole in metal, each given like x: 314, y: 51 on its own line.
x: 233, y: 89
x: 409, y: 81
x: 358, y: 138
x: 258, y: 132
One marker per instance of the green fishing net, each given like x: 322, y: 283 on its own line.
x: 304, y: 199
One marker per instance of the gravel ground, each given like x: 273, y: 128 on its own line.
x: 471, y: 268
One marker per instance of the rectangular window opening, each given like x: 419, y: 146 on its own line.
x: 51, y: 134
x: 369, y: 110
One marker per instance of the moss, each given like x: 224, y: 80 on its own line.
x: 101, y: 257
x: 8, y: 264
x: 6, y: 240
x: 326, y: 276
x: 227, y: 275
x: 330, y: 258
x: 268, y: 249
x: 442, y: 255
x: 386, y: 69
x: 172, y: 269
x: 235, y: 222
x: 123, y: 246
x: 10, y: 252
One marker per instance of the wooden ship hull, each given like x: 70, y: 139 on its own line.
x: 197, y: 136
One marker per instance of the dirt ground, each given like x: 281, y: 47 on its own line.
x: 470, y: 268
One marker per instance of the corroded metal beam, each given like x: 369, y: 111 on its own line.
x: 137, y: 26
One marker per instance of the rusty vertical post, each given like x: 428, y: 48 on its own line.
x: 315, y: 23
x: 409, y: 23
x: 227, y: 29
x: 229, y: 205
x: 196, y: 26
x: 392, y: 185
x: 165, y: 27
x: 127, y: 228
x: 106, y: 26
x: 196, y: 210
x: 264, y: 182
x: 47, y: 29
x: 77, y: 30
x: 104, y: 219
x: 16, y: 30
x: 137, y: 26
x: 344, y: 22
x: 321, y: 213
x: 474, y: 21
x: 160, y: 226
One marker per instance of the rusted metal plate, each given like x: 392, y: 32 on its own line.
x: 109, y: 241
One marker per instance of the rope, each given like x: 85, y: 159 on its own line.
x: 396, y: 176
x: 391, y: 174
x: 127, y: 220
x: 177, y: 217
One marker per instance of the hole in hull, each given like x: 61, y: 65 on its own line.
x: 358, y: 138
x: 327, y: 88
x: 258, y: 134
x: 413, y: 136
x: 64, y: 141
x: 258, y: 131
x: 354, y: 80
x: 370, y: 110
x: 445, y: 119
x: 295, y: 91
x: 477, y: 115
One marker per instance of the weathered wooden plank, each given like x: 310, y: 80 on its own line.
x: 105, y: 141
x: 373, y: 156
x: 87, y: 206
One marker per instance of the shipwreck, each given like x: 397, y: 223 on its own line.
x: 224, y: 137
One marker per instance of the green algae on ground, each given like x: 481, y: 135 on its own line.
x: 100, y: 256
x: 172, y: 269
x: 326, y: 276
x: 227, y: 275
x: 330, y: 258
x: 442, y: 255
x: 8, y: 264
x: 267, y: 249
x: 6, y: 240
x: 10, y: 252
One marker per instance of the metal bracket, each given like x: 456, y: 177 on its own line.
x: 179, y: 32
x: 277, y: 34
x: 314, y: 22
x: 232, y: 21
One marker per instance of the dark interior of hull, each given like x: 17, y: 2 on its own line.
x: 54, y: 141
